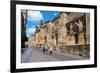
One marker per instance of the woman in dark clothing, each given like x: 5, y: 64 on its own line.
x: 44, y: 50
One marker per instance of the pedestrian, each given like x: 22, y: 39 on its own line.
x: 27, y: 45
x: 50, y: 51
x: 44, y: 51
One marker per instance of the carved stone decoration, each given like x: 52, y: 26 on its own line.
x: 75, y: 28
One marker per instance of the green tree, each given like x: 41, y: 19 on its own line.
x: 24, y: 38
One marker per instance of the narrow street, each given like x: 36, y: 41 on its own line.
x: 36, y: 55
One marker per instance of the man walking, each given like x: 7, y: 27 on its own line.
x: 50, y: 50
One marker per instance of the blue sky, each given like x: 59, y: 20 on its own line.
x: 34, y: 19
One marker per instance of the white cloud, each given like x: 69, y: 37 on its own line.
x: 35, y: 16
x: 55, y: 14
x: 30, y: 31
x: 27, y: 35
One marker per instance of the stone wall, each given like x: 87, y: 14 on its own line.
x: 80, y: 50
x: 70, y: 30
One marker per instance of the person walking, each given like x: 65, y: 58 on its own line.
x: 44, y: 51
x: 50, y: 50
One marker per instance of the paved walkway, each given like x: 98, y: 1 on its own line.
x: 36, y: 55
